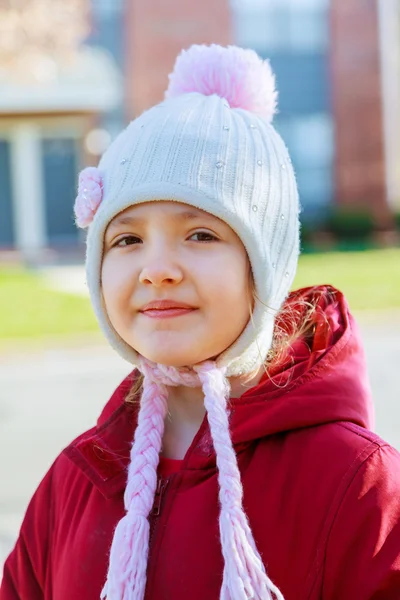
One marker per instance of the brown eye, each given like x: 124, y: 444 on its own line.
x: 204, y: 236
x: 128, y: 240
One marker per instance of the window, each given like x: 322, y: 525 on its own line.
x: 59, y: 158
x: 107, y: 7
x: 6, y: 208
x: 258, y: 4
x: 311, y: 145
x: 294, y: 34
x: 296, y: 25
x: 312, y: 140
x: 308, y: 30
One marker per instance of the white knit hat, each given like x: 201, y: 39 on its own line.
x: 211, y: 145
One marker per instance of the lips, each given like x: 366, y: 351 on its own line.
x: 159, y: 305
x: 166, y: 309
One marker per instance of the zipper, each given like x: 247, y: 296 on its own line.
x: 161, y: 485
x: 159, y: 503
x: 156, y: 510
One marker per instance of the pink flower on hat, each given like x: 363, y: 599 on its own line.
x: 90, y: 195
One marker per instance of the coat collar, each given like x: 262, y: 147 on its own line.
x: 103, y: 452
x: 331, y: 366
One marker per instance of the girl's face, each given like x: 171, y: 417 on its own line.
x: 175, y: 282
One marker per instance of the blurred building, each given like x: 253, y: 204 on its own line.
x: 338, y: 73
x: 365, y: 80
x: 295, y: 37
x: 337, y: 64
x: 49, y: 104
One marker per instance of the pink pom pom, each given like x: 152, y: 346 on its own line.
x: 90, y: 195
x: 238, y: 75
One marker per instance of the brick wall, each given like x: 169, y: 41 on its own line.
x: 156, y: 31
x: 357, y: 107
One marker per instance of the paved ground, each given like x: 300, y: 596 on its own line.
x: 50, y: 396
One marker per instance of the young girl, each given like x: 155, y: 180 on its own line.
x: 253, y: 472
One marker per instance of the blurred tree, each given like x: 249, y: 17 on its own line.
x: 36, y: 36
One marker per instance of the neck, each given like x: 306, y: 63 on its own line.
x: 186, y: 413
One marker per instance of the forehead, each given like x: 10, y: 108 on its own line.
x: 161, y: 208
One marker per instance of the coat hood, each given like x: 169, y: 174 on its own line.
x: 322, y: 379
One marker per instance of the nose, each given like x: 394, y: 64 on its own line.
x: 161, y: 271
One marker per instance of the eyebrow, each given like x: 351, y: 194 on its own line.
x: 185, y: 215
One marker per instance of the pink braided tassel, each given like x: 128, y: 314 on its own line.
x: 244, y: 574
x: 126, y: 579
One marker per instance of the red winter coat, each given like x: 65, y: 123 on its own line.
x: 321, y: 491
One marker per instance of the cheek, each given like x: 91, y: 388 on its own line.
x: 114, y: 283
x: 230, y: 292
x: 108, y: 282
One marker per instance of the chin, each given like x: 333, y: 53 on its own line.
x: 168, y: 359
x: 176, y: 351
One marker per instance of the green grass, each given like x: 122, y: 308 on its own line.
x: 370, y: 280
x: 30, y: 310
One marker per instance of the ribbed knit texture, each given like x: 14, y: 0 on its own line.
x: 229, y: 162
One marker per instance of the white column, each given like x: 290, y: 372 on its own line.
x: 389, y: 40
x: 28, y: 189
